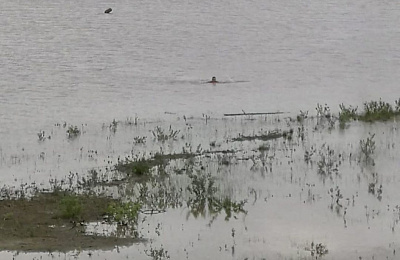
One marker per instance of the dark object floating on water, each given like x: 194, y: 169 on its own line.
x: 109, y: 10
x: 213, y: 80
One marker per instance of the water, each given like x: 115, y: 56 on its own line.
x: 68, y: 61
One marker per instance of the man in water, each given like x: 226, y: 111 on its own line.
x: 213, y: 80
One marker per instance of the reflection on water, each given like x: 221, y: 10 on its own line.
x: 295, y: 195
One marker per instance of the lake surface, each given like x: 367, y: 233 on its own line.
x: 66, y: 61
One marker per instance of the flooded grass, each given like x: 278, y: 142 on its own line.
x: 239, y: 188
x: 56, y: 222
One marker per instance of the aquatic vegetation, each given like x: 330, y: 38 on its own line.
x: 264, y: 137
x: 367, y: 147
x: 204, y: 198
x: 124, y: 213
x: 336, y: 196
x: 308, y: 155
x: 263, y: 147
x: 328, y: 163
x: 58, y: 218
x: 323, y: 111
x: 160, y: 135
x: 41, y: 136
x: 157, y: 254
x: 140, y: 139
x: 142, y: 167
x: 73, y: 131
x: 378, y: 111
x: 347, y: 114
x: 70, y: 207
x: 209, y: 175
x: 113, y: 126
x: 302, y: 116
x: 229, y: 207
x: 318, y: 249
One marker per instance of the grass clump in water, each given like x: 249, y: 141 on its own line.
x: 347, y: 114
x: 73, y: 131
x: 379, y: 111
x: 70, y: 207
x: 124, y: 213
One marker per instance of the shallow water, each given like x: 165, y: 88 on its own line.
x: 289, y: 204
x: 69, y: 62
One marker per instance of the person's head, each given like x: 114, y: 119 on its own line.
x: 213, y: 79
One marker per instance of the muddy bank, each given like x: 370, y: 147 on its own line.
x: 55, y: 222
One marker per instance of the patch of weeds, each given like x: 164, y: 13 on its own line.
x: 140, y: 167
x: 73, y: 131
x: 379, y: 111
x: 228, y: 206
x: 157, y: 254
x: 8, y: 216
x: 336, y: 196
x: 204, y: 198
x: 161, y: 135
x: 41, y: 136
x: 301, y: 131
x: 288, y: 135
x: 113, y: 126
x: 143, y: 166
x: 94, y: 178
x: 323, y: 111
x: 123, y: 213
x: 302, y: 116
x: 131, y: 121
x: 70, y: 207
x: 263, y: 148
x: 373, y: 187
x: 397, y: 106
x: 347, y: 114
x: 318, y: 249
x: 139, y: 139
x: 264, y: 137
x: 327, y: 165
x: 367, y: 147
x: 308, y: 154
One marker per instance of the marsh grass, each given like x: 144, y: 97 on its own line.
x: 378, y: 111
x: 70, y: 207
x: 367, y: 148
x: 73, y: 131
x: 161, y: 135
x: 123, y: 213
x: 328, y: 163
x: 143, y: 167
x: 373, y: 111
x: 318, y: 250
x: 265, y: 137
x: 347, y: 114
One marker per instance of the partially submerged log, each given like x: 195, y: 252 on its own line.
x: 109, y: 10
x: 255, y: 114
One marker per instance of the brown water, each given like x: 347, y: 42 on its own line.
x: 69, y: 62
x: 289, y: 202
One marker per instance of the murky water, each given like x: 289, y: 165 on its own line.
x: 69, y: 62
x: 290, y: 201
